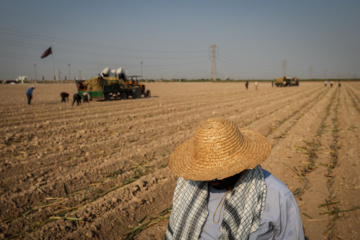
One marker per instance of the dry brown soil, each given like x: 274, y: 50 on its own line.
x: 100, y: 171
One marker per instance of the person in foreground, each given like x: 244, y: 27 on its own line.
x: 222, y: 191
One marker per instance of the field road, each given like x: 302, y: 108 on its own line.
x: 99, y: 170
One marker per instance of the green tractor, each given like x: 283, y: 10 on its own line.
x: 112, y: 84
x: 287, y: 82
x: 108, y: 88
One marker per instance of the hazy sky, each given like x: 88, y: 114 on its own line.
x: 173, y: 38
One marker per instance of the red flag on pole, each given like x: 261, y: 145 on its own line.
x: 46, y: 53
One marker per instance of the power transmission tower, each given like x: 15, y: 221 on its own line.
x: 311, y: 71
x: 213, y: 62
x: 284, y: 68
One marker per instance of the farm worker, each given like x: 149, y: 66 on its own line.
x: 325, y: 83
x: 77, y: 99
x: 86, y: 97
x: 81, y: 86
x: 256, y: 85
x: 331, y: 83
x: 64, y: 97
x: 29, y: 94
x: 222, y: 191
x: 246, y: 85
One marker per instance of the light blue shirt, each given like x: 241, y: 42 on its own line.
x: 280, y: 220
x: 211, y: 228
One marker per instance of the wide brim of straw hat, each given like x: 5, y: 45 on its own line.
x: 218, y: 150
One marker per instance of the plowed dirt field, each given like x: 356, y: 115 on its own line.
x: 100, y: 171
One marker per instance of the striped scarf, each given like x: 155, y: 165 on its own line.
x: 243, y: 207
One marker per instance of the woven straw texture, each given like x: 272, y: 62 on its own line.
x: 218, y: 150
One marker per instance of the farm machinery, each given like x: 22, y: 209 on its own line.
x: 112, y: 84
x: 286, y: 81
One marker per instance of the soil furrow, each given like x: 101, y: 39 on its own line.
x: 97, y: 170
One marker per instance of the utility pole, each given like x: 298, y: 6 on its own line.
x: 213, y: 62
x: 141, y: 63
x: 311, y: 71
x: 35, y: 72
x: 284, y: 68
x: 69, y: 71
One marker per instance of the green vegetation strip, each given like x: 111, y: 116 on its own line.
x: 152, y: 221
x: 299, y: 191
x: 329, y: 231
x: 313, y: 146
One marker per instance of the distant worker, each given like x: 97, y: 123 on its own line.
x: 86, y: 97
x: 339, y: 84
x: 29, y: 94
x: 81, y: 86
x: 331, y: 84
x: 64, y: 97
x: 77, y: 99
x: 256, y: 85
x: 247, y: 85
x: 325, y: 83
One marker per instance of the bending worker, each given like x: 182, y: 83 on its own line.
x: 64, y: 97
x: 222, y: 191
x: 29, y: 94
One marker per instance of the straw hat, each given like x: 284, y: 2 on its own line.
x: 218, y: 150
